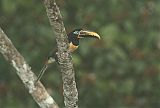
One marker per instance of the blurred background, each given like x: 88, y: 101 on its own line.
x: 119, y: 71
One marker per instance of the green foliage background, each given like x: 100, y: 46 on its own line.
x: 119, y: 71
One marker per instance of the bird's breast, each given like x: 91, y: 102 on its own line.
x: 72, y: 47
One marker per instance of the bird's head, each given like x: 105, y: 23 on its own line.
x: 77, y: 34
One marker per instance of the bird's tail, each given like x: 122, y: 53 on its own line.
x: 44, y: 69
x: 42, y: 72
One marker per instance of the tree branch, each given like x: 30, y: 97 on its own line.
x: 68, y: 76
x: 25, y: 73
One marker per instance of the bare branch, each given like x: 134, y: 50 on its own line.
x: 69, y: 85
x: 25, y: 73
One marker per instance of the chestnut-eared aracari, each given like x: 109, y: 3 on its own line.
x: 73, y: 39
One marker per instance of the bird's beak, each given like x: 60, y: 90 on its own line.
x: 89, y: 34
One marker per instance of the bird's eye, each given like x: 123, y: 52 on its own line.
x: 76, y: 32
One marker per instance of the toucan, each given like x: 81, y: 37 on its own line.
x: 73, y: 39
